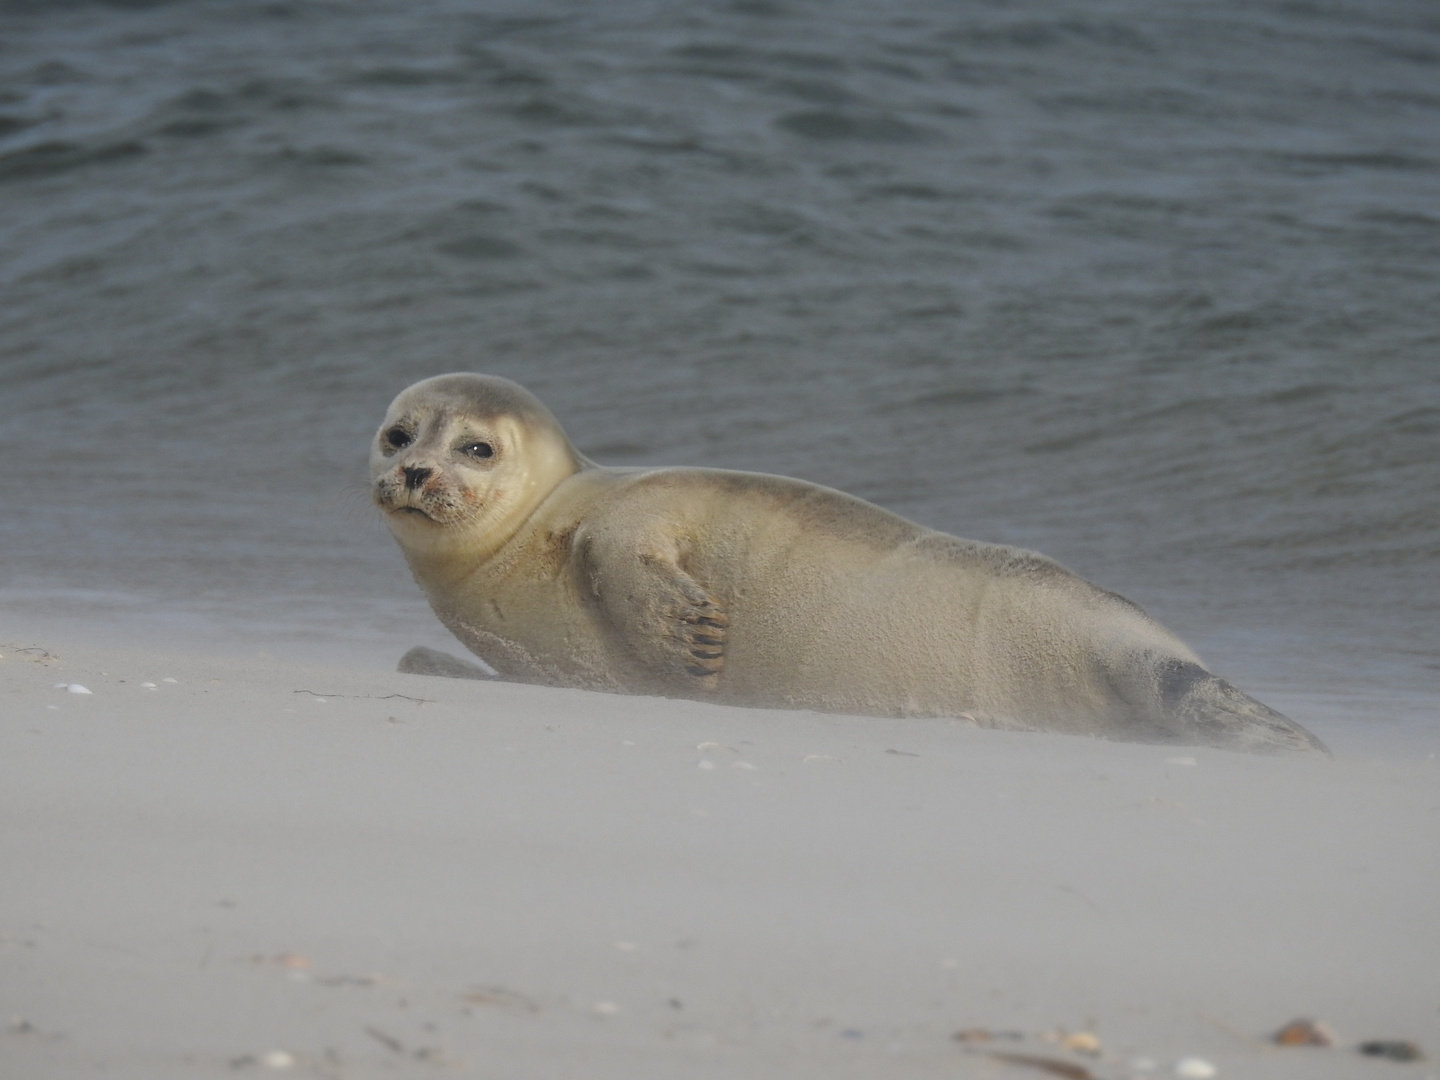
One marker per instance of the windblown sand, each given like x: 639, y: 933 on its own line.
x: 266, y: 869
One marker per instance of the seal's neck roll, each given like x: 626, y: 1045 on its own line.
x: 460, y: 464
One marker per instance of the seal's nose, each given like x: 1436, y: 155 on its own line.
x: 415, y: 475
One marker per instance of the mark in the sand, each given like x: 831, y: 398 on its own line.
x: 34, y: 653
x: 422, y: 1053
x: 500, y: 996
x: 20, y: 1026
x: 369, y: 697
x: 108, y: 947
x: 388, y: 1041
x: 1076, y: 892
x: 289, y: 961
x: 351, y: 980
x: 1393, y: 1049
x: 1233, y: 1032
x: 1053, y: 1066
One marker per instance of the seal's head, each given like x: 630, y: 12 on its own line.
x: 462, y: 460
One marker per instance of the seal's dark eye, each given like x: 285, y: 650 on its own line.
x: 397, y: 437
x: 478, y: 449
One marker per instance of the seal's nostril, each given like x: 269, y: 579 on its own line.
x: 415, y: 475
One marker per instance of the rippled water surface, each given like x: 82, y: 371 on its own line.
x: 1153, y: 288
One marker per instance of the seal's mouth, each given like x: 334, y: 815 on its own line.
x: 433, y: 498
x: 396, y: 501
x: 416, y: 513
x: 425, y: 508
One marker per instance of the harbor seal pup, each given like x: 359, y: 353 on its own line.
x: 760, y: 590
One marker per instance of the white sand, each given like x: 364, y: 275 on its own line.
x: 512, y: 882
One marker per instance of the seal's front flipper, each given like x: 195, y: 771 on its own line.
x: 700, y: 627
x: 674, y: 626
x: 689, y: 626
x: 426, y: 661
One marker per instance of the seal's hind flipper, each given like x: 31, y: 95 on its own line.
x: 1211, y: 712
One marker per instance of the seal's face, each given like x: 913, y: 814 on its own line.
x: 462, y: 460
x: 438, y: 467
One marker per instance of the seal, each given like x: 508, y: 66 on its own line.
x: 759, y: 590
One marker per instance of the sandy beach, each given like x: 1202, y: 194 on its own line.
x: 1148, y: 288
x: 220, y: 866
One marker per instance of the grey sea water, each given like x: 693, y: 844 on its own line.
x: 1151, y: 287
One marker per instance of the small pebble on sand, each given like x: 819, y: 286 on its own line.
x: 1194, y: 1068
x: 973, y: 1035
x: 277, y: 1059
x: 1394, y: 1049
x: 1304, y: 1033
x: 1082, y: 1042
x: 76, y: 688
x: 985, y: 1035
